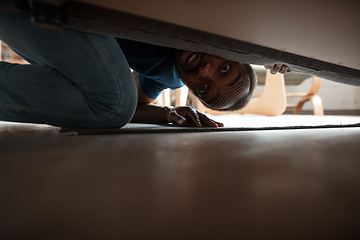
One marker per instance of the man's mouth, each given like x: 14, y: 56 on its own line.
x: 191, y: 58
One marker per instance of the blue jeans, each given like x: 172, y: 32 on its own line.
x: 75, y: 79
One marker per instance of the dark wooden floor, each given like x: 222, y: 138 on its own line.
x: 285, y: 184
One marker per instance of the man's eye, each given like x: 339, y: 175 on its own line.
x: 203, y: 89
x: 225, y: 69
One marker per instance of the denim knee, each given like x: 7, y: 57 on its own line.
x: 112, y: 110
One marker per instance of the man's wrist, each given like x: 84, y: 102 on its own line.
x: 169, y: 110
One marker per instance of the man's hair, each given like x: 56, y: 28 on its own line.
x: 241, y: 102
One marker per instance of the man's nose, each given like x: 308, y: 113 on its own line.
x: 204, y: 71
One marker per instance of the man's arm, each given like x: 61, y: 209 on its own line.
x: 147, y: 112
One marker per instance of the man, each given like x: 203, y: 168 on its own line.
x: 83, y: 80
x: 219, y: 83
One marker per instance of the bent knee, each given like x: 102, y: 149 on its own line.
x: 111, y: 110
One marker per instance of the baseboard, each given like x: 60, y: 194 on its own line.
x: 329, y: 112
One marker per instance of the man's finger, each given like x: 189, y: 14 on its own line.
x: 209, y: 122
x: 284, y: 69
x: 174, y: 117
x: 219, y: 123
x: 193, y: 114
x: 275, y: 69
x: 269, y: 66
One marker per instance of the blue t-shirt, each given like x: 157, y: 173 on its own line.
x: 156, y: 71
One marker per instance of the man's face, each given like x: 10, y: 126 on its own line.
x: 217, y: 82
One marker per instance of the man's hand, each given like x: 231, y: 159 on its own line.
x: 146, y: 112
x: 277, y: 68
x: 188, y: 116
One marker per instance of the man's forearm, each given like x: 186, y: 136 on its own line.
x: 151, y: 113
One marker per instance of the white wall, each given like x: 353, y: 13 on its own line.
x: 335, y: 96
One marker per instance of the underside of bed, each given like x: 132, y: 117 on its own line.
x: 339, y: 38
x: 89, y: 18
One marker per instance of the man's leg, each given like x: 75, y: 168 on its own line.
x: 80, y: 79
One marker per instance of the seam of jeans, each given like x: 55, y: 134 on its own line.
x: 17, y: 108
x: 109, y: 116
